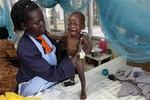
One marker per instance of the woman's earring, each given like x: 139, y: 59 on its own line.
x: 23, y: 26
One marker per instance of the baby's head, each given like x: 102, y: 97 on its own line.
x: 20, y: 13
x: 79, y: 16
x: 3, y: 33
x: 76, y: 23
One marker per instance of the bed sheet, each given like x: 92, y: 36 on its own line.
x: 98, y: 87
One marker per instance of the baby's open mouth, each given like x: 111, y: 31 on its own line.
x: 73, y: 31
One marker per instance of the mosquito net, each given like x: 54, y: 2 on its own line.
x: 5, y: 18
x: 67, y: 5
x: 126, y: 24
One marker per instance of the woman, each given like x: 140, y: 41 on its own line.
x: 39, y: 67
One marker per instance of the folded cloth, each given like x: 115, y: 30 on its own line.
x: 128, y: 88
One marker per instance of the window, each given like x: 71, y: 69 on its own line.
x: 56, y: 19
x: 93, y: 23
x: 97, y: 32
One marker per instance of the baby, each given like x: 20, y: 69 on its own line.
x: 76, y: 42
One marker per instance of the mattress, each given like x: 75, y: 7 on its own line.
x: 98, y: 87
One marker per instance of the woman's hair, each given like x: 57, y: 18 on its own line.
x: 19, y: 12
x: 3, y: 33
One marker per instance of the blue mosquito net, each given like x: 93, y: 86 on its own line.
x: 126, y: 24
x: 67, y: 5
x: 5, y: 19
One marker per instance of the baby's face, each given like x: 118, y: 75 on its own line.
x: 74, y: 25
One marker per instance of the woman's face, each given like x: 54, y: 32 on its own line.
x: 35, y: 26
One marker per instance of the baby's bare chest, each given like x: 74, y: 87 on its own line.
x: 72, y: 46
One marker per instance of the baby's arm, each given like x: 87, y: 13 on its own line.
x: 87, y: 45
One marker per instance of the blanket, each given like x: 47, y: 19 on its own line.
x: 7, y: 69
x: 134, y: 81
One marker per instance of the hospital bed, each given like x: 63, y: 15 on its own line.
x: 98, y: 86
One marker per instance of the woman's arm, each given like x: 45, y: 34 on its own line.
x: 56, y: 37
x: 33, y: 64
x: 86, y: 45
x: 62, y: 39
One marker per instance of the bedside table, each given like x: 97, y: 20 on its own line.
x: 99, y: 60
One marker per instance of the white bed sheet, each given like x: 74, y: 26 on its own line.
x: 98, y: 87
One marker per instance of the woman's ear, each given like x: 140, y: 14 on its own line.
x: 83, y: 26
x: 23, y: 26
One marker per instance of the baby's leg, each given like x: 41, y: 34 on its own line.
x: 80, y: 69
x: 72, y: 79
